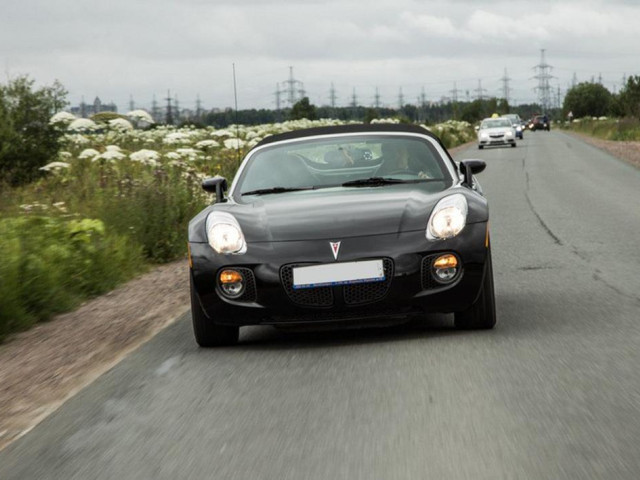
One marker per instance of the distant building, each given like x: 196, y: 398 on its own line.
x: 85, y: 110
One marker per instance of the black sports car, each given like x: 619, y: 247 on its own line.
x: 345, y: 225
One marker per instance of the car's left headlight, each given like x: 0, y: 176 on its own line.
x: 508, y: 134
x: 224, y: 234
x: 448, y: 217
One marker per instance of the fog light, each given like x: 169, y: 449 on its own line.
x: 445, y: 268
x: 231, y: 283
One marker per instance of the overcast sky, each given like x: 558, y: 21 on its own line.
x: 117, y: 48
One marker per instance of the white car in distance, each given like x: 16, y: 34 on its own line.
x: 496, y: 131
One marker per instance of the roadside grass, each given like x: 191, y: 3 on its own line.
x: 114, y: 202
x: 616, y: 129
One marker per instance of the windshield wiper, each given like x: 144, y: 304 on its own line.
x: 374, y: 181
x: 266, y: 191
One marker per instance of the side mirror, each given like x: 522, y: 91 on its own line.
x: 471, y: 167
x: 217, y: 185
x: 476, y: 128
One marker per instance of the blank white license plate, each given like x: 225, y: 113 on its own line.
x: 338, y: 274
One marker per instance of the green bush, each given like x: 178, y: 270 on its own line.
x: 27, y: 140
x: 48, y: 264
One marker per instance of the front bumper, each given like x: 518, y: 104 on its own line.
x: 496, y: 141
x: 408, y: 290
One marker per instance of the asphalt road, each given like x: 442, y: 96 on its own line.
x: 553, y: 392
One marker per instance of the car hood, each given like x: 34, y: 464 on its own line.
x: 494, y: 131
x: 336, y: 213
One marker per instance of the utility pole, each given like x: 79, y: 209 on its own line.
x: 559, y: 98
x: 169, y: 115
x: 600, y: 78
x: 480, y: 91
x: 505, y: 86
x: 574, y: 80
x: 83, y: 108
x: 543, y: 75
x: 177, y: 108
x: 132, y: 105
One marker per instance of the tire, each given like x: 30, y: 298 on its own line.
x: 482, y: 314
x: 207, y: 333
x: 513, y: 144
x: 480, y: 147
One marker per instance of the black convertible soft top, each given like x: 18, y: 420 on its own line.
x: 350, y: 128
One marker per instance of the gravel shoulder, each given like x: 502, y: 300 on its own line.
x: 43, y: 367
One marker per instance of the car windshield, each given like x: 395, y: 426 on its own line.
x: 344, y: 161
x: 495, y: 123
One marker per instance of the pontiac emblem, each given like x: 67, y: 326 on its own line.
x: 335, y: 248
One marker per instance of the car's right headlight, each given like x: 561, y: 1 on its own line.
x: 448, y: 217
x: 224, y: 234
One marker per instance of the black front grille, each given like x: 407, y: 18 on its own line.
x: 308, y: 297
x: 361, y: 293
x: 356, y: 294
x: 428, y: 282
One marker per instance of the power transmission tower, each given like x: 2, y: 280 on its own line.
x: 559, y: 98
x: 454, y: 93
x: 83, y: 108
x: 400, y: 99
x: 505, y: 86
x: 294, y: 89
x: 169, y: 115
x: 177, y: 107
x: 132, y: 105
x: 543, y: 75
x: 479, y: 91
x: 278, y: 94
x: 600, y: 78
x: 354, y: 99
x: 332, y: 96
x: 198, y: 107
x: 574, y: 80
x: 423, y: 97
x: 155, y: 111
x: 376, y: 99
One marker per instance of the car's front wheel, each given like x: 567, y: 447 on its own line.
x: 480, y: 147
x: 482, y: 314
x: 207, y: 333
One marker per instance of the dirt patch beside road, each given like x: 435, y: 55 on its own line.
x: 42, y: 367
